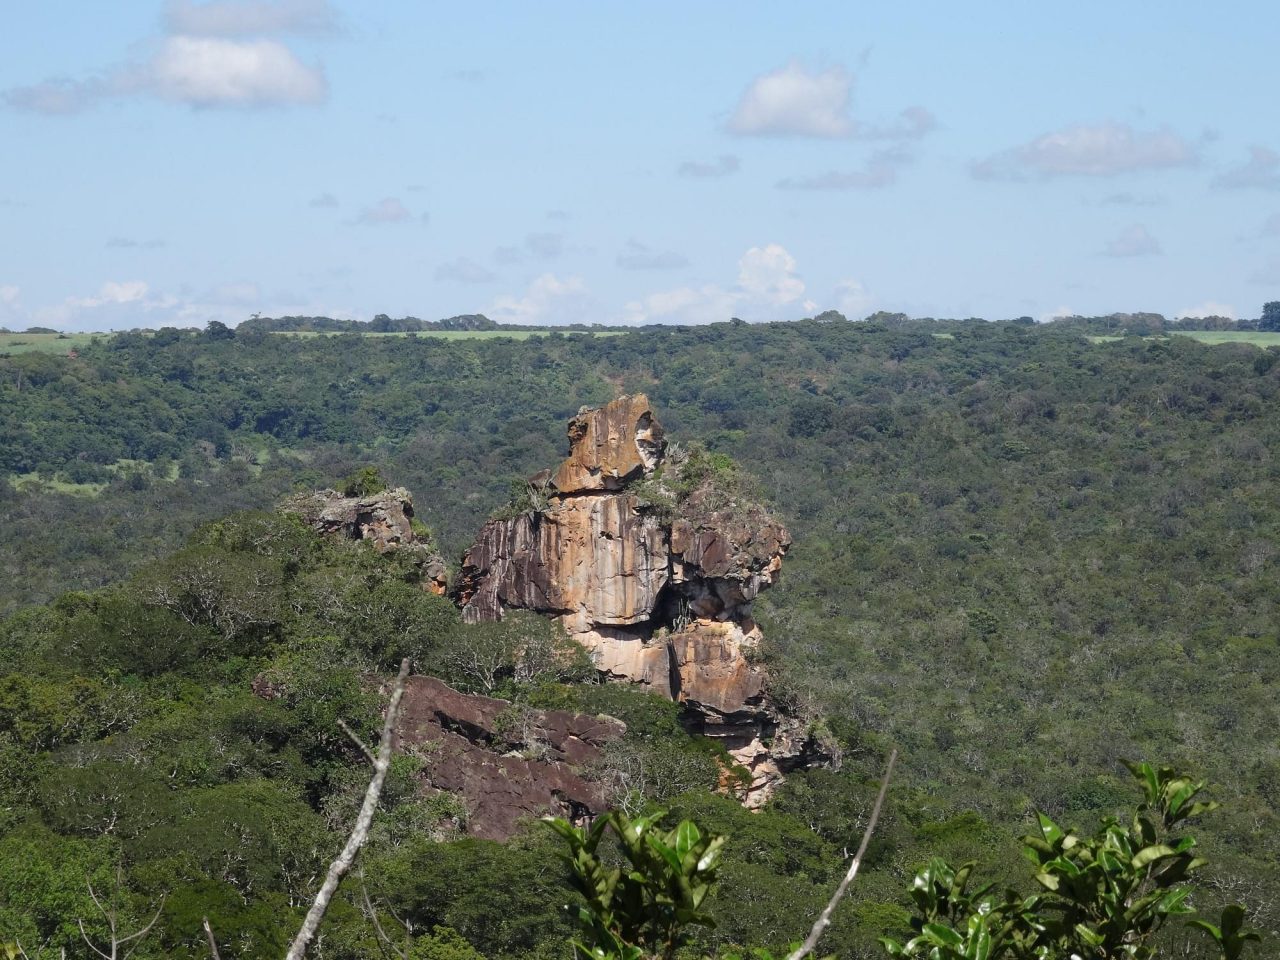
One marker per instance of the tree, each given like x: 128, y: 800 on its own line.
x: 1270, y: 316
x: 217, y: 330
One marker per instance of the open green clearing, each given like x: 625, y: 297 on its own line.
x: 45, y: 342
x: 1269, y: 338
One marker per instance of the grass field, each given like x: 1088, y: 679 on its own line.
x: 1257, y: 338
x: 45, y: 342
x: 462, y: 334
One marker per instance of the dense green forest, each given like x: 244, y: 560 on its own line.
x: 1021, y: 556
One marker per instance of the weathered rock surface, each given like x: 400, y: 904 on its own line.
x: 658, y: 600
x: 507, y: 763
x: 383, y: 519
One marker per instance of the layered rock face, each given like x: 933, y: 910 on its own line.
x: 661, y: 597
x: 384, y: 519
x: 507, y: 763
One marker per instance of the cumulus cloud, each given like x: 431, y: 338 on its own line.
x: 768, y: 282
x: 216, y: 55
x: 637, y: 256
x: 549, y: 300
x: 113, y: 291
x: 795, y: 102
x: 1133, y: 241
x: 1261, y: 171
x: 880, y: 170
x: 323, y: 200
x: 8, y: 294
x: 464, y: 270
x: 211, y: 71
x: 241, y: 18
x: 721, y: 166
x: 1209, y: 309
x: 386, y: 210
x: 1098, y: 150
x: 852, y: 299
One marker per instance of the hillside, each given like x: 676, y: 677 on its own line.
x: 1020, y: 555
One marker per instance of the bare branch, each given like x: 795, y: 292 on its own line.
x: 377, y: 925
x: 368, y: 754
x: 141, y: 933
x: 824, y: 919
x: 89, y: 943
x: 208, y: 935
x: 360, y: 832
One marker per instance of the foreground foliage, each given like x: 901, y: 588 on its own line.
x: 1104, y: 897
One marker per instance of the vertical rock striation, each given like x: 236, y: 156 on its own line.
x: 656, y: 582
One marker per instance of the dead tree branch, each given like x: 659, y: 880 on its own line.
x: 109, y: 914
x: 824, y: 919
x: 360, y: 832
x: 208, y: 935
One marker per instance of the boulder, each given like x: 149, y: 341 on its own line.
x: 384, y: 520
x: 507, y: 763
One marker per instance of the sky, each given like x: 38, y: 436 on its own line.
x: 172, y: 163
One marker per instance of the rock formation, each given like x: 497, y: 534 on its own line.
x: 650, y: 562
x: 384, y: 519
x: 506, y: 763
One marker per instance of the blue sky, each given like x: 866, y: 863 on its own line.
x: 173, y: 163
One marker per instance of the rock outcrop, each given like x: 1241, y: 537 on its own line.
x: 507, y: 763
x: 384, y: 519
x: 655, y: 579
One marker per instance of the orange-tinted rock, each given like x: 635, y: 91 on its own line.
x: 665, y: 603
x: 609, y: 446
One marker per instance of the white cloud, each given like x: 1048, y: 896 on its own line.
x: 1057, y: 313
x: 1133, y: 241
x: 852, y: 299
x: 464, y: 270
x: 209, y: 71
x: 549, y: 300
x: 324, y: 200
x: 722, y: 166
x: 1209, y: 308
x: 1098, y: 150
x: 767, y: 282
x: 207, y: 62
x: 113, y: 291
x: 795, y: 102
x: 387, y: 210
x: 768, y: 274
x: 1261, y: 171
x: 880, y: 170
x: 240, y: 18
x: 637, y: 256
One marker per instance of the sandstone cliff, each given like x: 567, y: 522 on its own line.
x: 651, y: 561
x: 384, y: 519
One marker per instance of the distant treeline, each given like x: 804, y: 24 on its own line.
x: 1113, y: 324
x: 382, y: 324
